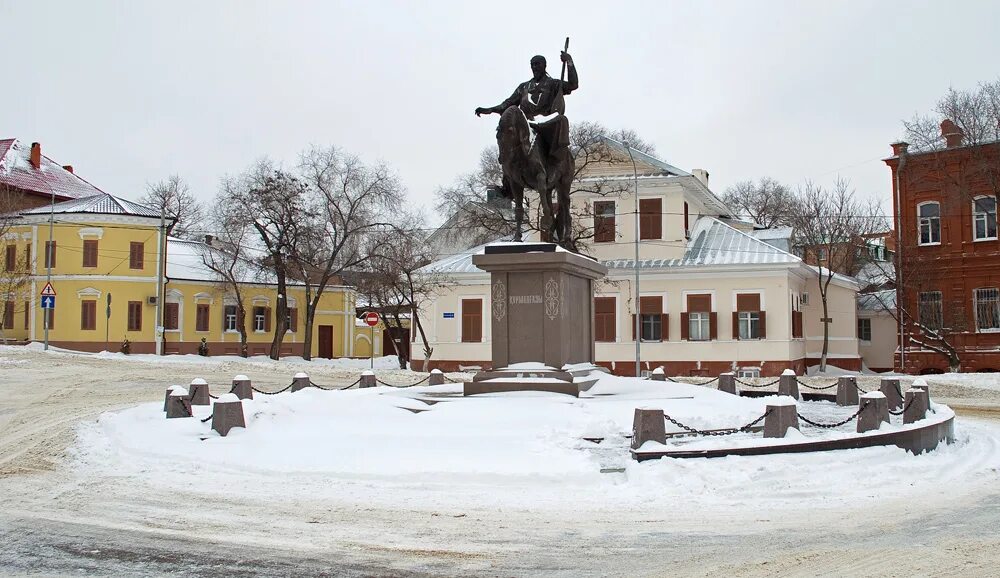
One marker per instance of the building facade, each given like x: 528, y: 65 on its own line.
x: 713, y: 297
x: 948, y: 274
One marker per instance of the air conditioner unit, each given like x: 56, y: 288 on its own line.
x: 804, y: 299
x: 151, y: 300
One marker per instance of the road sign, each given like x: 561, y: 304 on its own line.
x: 48, y: 302
x: 48, y: 291
x: 371, y: 318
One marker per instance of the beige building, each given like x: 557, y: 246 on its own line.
x: 878, y: 335
x: 713, y: 296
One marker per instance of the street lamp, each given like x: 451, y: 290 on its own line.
x: 638, y: 309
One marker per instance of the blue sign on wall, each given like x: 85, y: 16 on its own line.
x: 449, y: 315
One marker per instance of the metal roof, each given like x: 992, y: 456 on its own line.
x: 49, y: 178
x: 100, y: 204
x: 877, y: 300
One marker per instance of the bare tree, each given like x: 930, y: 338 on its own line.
x: 174, y: 197
x: 478, y: 221
x: 15, y: 268
x: 226, y: 255
x: 349, y: 202
x: 838, y: 223
x: 766, y: 201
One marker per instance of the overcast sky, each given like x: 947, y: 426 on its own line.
x: 130, y: 92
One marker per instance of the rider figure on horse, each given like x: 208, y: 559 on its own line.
x: 541, y: 101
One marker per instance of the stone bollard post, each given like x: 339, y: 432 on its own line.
x: 166, y: 398
x: 242, y: 387
x: 894, y: 396
x: 727, y: 382
x: 783, y: 416
x: 178, y: 404
x: 367, y: 378
x: 227, y: 413
x: 648, y: 425
x: 917, y: 404
x: 875, y: 410
x: 788, y: 384
x: 300, y: 381
x: 920, y: 383
x: 437, y: 378
x: 847, y: 390
x: 658, y: 374
x: 199, y: 392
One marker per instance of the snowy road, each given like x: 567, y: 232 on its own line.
x: 57, y: 520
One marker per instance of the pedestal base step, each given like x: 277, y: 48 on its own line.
x: 500, y: 385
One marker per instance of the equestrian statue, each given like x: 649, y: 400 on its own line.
x: 533, y: 138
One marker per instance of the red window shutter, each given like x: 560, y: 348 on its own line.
x: 650, y: 223
x: 11, y: 258
x: 136, y: 255
x: 27, y: 256
x: 604, y: 221
x: 8, y: 315
x: 267, y: 319
x: 763, y: 325
x: 736, y: 325
x: 90, y: 253
x: 713, y: 327
x: 684, y: 326
x: 83, y: 315
x: 664, y: 327
x: 27, y: 315
x: 633, y: 328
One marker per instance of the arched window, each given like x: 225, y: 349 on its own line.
x: 929, y: 216
x: 984, y: 218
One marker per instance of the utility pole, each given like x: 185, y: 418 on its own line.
x: 160, y: 262
x: 638, y: 310
x: 49, y: 257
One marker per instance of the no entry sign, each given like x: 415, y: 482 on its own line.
x: 371, y: 319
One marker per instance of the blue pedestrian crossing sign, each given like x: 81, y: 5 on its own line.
x: 48, y: 302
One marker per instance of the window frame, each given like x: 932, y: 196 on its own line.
x: 930, y: 222
x: 986, y: 219
x: 749, y: 320
x: 748, y: 373
x: 226, y: 317
x: 136, y: 255
x: 176, y: 320
x: 614, y: 319
x: 88, y: 315
x: 864, y: 321
x: 611, y: 230
x: 10, y: 257
x: 996, y: 312
x: 652, y: 222
x: 482, y: 330
x: 134, y: 322
x: 202, y: 317
x: 921, y: 308
x: 90, y: 252
x: 704, y: 318
x: 259, y: 318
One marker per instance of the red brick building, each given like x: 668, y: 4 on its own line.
x: 948, y: 275
x: 34, y: 178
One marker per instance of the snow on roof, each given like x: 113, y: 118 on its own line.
x: 457, y: 263
x: 877, y: 300
x: 17, y: 171
x: 99, y: 204
x: 185, y: 260
x: 773, y: 233
x: 646, y: 158
x: 716, y: 243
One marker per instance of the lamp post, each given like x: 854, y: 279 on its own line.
x: 638, y: 309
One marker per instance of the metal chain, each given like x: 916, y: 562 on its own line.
x: 213, y: 396
x: 696, y: 383
x: 804, y: 384
x: 833, y: 425
x: 905, y: 407
x: 403, y: 386
x: 273, y: 392
x: 324, y: 388
x: 208, y: 418
x: 748, y: 384
x: 720, y: 432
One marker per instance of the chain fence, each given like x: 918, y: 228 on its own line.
x: 333, y: 387
x: 754, y: 385
x: 905, y: 407
x: 714, y: 379
x: 402, y: 386
x: 839, y: 423
x: 718, y: 432
x: 261, y: 391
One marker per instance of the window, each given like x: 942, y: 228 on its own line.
x: 749, y: 324
x: 8, y: 315
x: 987, y: 309
x: 229, y: 318
x: 201, y: 317
x: 687, y: 227
x: 604, y: 319
x: 652, y: 320
x: 604, y: 221
x: 748, y: 372
x: 472, y: 320
x: 796, y: 324
x: 984, y: 218
x: 864, y: 329
x: 650, y: 218
x: 804, y: 299
x: 27, y: 256
x: 90, y: 253
x: 135, y: 315
x: 930, y: 313
x: 699, y: 326
x: 823, y: 254
x: 50, y: 254
x: 171, y: 313
x: 88, y: 315
x: 293, y: 319
x: 748, y: 319
x: 136, y: 251
x: 260, y: 319
x: 929, y: 215
x: 10, y: 260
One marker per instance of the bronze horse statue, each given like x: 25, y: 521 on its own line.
x: 525, y: 168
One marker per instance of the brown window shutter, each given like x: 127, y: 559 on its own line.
x: 736, y: 325
x: 633, y: 328
x: 83, y: 315
x: 699, y: 303
x: 90, y: 253
x: 763, y: 325
x: 684, y: 326
x: 664, y: 327
x: 27, y: 315
x: 748, y: 302
x: 713, y: 326
x: 267, y: 319
x: 8, y: 315
x: 11, y: 259
x: 294, y: 314
x: 650, y: 219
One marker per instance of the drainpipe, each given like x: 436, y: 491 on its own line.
x: 160, y: 262
x: 899, y: 263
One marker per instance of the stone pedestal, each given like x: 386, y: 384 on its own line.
x: 300, y: 381
x: 166, y: 398
x: 847, y: 391
x: 890, y: 389
x: 227, y: 413
x: 367, y: 379
x: 541, y: 304
x: 648, y: 425
x: 242, y: 387
x: 782, y: 416
x: 658, y: 374
x: 874, y: 413
x: 178, y: 404
x: 916, y: 404
x: 788, y: 384
x: 436, y: 378
x: 199, y: 392
x: 727, y: 383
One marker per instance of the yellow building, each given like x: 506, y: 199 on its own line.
x: 105, y: 252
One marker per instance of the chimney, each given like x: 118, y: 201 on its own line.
x: 952, y: 134
x: 68, y: 168
x: 36, y: 155
x: 899, y: 148
x: 701, y: 175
